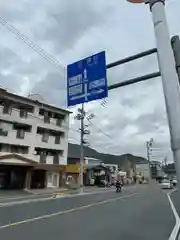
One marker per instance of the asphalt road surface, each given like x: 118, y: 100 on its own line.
x: 141, y: 212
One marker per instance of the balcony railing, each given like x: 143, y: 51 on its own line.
x: 50, y: 144
x: 12, y: 139
x: 29, y: 118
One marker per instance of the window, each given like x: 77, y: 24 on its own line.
x: 20, y: 133
x: 3, y: 133
x: 43, y: 157
x: 57, y: 139
x: 49, y: 178
x: 59, y: 122
x: 24, y: 150
x: 46, y: 117
x: 6, y: 109
x: 23, y: 113
x: 45, y: 137
x: 56, y: 159
x: 55, y: 180
x: 18, y: 149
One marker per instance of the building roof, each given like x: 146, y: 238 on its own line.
x: 5, y: 93
x: 29, y: 162
x: 96, y: 167
x: 17, y: 156
x: 143, y: 161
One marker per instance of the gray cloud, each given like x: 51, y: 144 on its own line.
x: 72, y: 22
x: 70, y: 30
x: 52, y: 88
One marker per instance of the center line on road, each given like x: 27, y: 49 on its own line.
x: 30, y: 220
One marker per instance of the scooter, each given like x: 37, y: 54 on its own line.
x: 118, y: 189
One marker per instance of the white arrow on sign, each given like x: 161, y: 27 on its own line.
x: 85, y: 95
x: 85, y: 84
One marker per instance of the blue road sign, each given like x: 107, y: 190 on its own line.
x: 87, y: 80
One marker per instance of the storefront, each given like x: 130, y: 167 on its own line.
x: 72, y: 172
x: 99, y: 174
x: 17, y: 172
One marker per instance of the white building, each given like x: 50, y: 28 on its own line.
x: 142, y: 169
x: 92, y: 161
x: 113, y: 168
x: 33, y: 142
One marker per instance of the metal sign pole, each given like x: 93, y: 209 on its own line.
x: 169, y: 76
x: 175, y: 42
x: 82, y: 149
x: 148, y: 158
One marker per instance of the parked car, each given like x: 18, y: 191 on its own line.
x: 174, y: 182
x: 166, y: 184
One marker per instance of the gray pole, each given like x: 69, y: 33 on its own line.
x: 148, y: 158
x: 169, y: 76
x: 175, y: 42
x: 82, y: 149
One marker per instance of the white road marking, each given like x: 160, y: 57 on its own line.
x: 53, y: 197
x: 107, y: 190
x: 30, y: 220
x: 13, y: 198
x: 9, y: 204
x: 176, y: 228
x: 22, y: 197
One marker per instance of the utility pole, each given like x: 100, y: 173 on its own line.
x: 82, y: 149
x: 83, y: 131
x: 148, y: 150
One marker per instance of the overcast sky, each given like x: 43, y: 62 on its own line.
x: 70, y: 30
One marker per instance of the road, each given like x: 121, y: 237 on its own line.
x: 19, y: 197
x: 141, y: 212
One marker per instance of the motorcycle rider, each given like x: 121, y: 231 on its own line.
x: 118, y: 185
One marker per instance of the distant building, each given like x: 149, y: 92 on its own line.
x: 33, y: 142
x: 142, y: 169
x: 92, y: 161
x: 169, y: 169
x: 87, y: 161
x: 156, y: 169
x: 113, y: 169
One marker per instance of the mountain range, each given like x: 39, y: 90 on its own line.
x: 74, y: 152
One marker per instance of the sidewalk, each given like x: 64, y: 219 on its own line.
x: 30, y: 193
x: 46, y: 191
x: 13, y: 193
x: 49, y: 191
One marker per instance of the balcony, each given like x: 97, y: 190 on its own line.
x: 32, y: 119
x: 11, y: 138
x: 49, y: 160
x: 17, y: 116
x: 52, y: 124
x: 50, y: 144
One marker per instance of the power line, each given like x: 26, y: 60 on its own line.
x: 100, y: 130
x: 31, y: 44
x: 40, y: 51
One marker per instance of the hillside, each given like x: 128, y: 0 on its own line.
x: 74, y: 151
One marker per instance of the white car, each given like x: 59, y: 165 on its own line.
x: 174, y: 181
x: 166, y: 184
